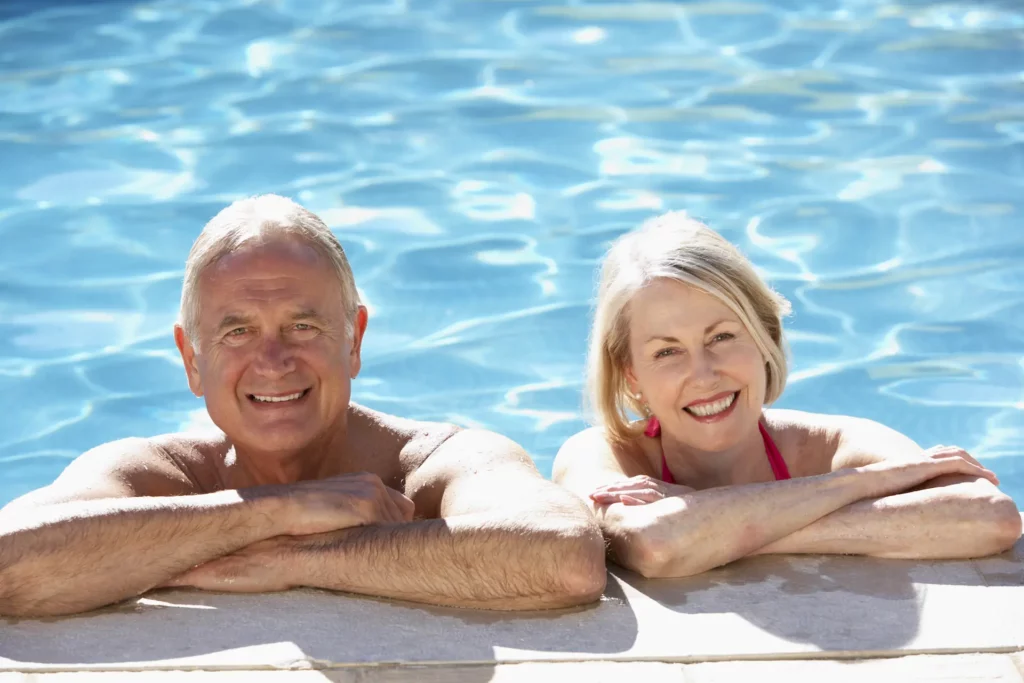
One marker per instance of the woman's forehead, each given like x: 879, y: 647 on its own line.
x: 672, y: 304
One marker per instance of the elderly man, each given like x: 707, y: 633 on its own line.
x: 298, y: 486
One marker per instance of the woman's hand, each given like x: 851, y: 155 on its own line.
x: 898, y: 476
x: 638, y: 490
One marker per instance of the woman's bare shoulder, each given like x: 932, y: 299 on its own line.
x: 807, y: 441
x: 592, y: 448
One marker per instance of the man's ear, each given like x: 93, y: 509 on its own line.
x: 188, y: 356
x: 358, y: 332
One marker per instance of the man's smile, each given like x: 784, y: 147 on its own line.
x: 278, y: 398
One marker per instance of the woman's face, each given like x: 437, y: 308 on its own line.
x: 695, y: 364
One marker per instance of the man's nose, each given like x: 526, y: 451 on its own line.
x: 274, y: 357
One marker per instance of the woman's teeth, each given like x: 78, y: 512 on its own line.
x: 709, y: 409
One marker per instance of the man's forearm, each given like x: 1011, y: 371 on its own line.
x: 462, y: 561
x: 75, y: 556
x: 952, y: 517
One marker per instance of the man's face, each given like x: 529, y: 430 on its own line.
x: 274, y: 360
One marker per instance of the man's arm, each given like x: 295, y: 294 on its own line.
x: 117, y: 522
x: 952, y: 516
x: 124, y: 518
x: 506, y: 539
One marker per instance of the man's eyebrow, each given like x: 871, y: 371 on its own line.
x: 307, y: 314
x: 233, y: 320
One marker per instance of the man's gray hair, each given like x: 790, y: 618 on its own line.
x: 258, y: 220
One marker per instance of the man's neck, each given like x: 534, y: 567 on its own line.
x: 316, y: 460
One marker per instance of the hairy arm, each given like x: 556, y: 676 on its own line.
x: 505, y: 539
x: 118, y: 522
x: 951, y: 516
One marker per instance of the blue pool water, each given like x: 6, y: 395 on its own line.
x: 476, y: 157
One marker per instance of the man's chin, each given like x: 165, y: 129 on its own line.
x: 276, y: 440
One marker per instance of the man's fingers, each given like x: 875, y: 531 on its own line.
x: 176, y: 581
x: 406, y: 508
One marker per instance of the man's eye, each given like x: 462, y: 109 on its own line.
x: 237, y: 332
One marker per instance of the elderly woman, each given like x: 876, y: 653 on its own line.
x: 687, y: 336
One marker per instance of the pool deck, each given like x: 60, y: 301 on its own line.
x: 809, y: 618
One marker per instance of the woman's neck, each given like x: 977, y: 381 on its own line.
x: 742, y: 463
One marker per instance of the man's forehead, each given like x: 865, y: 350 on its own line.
x: 238, y: 314
x: 279, y: 253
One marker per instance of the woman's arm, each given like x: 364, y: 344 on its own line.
x: 691, y: 531
x: 951, y: 516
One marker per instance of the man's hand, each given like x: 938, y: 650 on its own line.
x: 254, y: 569
x: 638, y: 490
x: 348, y: 500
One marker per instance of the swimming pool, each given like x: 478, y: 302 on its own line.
x: 475, y: 158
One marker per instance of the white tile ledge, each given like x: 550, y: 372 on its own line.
x: 811, y: 608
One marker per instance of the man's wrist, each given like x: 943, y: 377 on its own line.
x: 269, y: 509
x: 318, y: 559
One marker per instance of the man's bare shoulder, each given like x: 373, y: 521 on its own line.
x: 164, y: 465
x: 412, y: 441
x: 200, y: 455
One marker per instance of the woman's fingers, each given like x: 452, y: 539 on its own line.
x: 961, y: 461
x: 640, y: 495
x: 640, y: 482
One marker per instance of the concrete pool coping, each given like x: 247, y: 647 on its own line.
x: 799, y: 617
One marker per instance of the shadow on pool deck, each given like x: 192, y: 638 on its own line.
x: 281, y: 629
x: 761, y: 607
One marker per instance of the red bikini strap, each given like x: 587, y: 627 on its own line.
x: 653, y: 430
x: 779, y: 468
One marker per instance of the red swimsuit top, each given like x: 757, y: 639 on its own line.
x: 779, y: 468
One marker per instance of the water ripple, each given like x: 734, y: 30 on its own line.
x: 476, y: 159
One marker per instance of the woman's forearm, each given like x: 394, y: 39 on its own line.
x: 688, y: 534
x: 953, y: 517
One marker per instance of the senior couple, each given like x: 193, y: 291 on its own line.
x: 298, y: 486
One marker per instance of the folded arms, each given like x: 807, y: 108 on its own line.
x: 124, y: 519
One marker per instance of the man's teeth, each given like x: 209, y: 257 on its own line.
x: 278, y: 399
x: 708, y: 409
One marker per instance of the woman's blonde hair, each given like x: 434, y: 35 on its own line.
x: 676, y: 247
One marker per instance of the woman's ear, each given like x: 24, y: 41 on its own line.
x: 631, y: 383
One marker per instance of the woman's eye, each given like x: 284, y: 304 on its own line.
x: 723, y: 336
x: 664, y: 352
